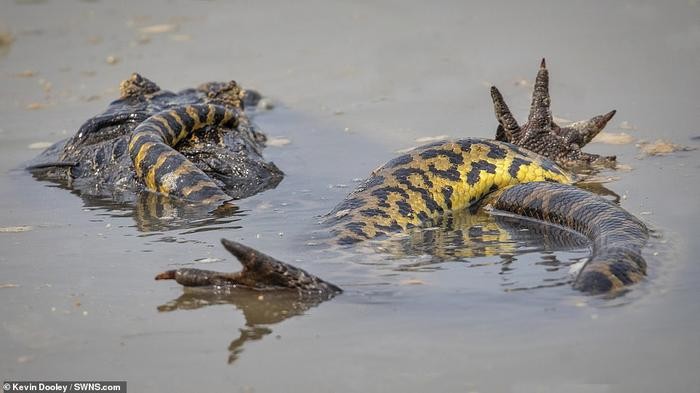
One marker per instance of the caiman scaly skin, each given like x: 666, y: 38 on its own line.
x: 195, y: 145
x: 260, y: 272
x: 525, y: 177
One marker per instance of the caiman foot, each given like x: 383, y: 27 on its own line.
x: 260, y: 272
x: 542, y: 135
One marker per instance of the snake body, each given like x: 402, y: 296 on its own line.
x: 162, y: 168
x: 616, y: 236
x: 416, y: 188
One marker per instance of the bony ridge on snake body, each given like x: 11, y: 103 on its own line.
x: 521, y: 172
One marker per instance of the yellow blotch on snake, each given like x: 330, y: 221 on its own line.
x: 417, y: 187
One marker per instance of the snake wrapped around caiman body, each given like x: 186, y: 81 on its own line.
x: 524, y: 178
x: 162, y: 168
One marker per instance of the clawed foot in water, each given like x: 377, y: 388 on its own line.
x: 260, y: 272
x: 412, y: 189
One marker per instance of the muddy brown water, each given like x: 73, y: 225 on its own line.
x: 353, y: 84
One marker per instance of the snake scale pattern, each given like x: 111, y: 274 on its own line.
x: 162, y: 168
x: 522, y: 172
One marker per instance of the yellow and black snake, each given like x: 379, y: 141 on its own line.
x: 415, y: 188
x: 522, y: 178
x: 162, y: 168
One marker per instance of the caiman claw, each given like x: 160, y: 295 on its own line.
x: 260, y: 272
x: 542, y: 135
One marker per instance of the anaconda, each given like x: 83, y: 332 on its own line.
x: 522, y: 172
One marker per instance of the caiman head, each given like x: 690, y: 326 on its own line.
x: 97, y: 154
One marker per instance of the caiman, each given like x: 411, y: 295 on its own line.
x: 525, y: 171
x: 218, y: 143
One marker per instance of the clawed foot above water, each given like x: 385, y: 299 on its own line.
x: 542, y: 135
x: 539, y: 134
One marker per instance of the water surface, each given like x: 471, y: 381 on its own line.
x: 353, y: 83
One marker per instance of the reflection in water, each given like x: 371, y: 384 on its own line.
x: 472, y: 238
x: 154, y: 212
x: 598, y: 187
x: 260, y: 309
x: 460, y: 238
x: 463, y: 237
x: 157, y: 213
x: 462, y: 234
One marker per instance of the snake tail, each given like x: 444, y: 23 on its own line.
x: 163, y: 169
x: 616, y: 236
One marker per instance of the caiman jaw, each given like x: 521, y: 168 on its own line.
x: 260, y: 272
